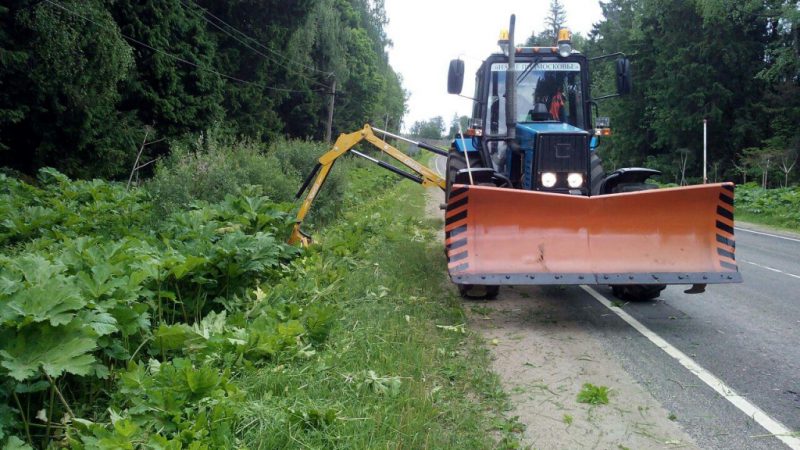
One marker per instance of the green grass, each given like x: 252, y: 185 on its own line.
x: 393, y: 373
x: 769, y: 220
x: 593, y: 395
x: 778, y: 208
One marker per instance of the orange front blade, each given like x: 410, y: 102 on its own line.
x: 662, y: 236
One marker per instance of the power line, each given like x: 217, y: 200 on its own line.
x: 187, y: 4
x: 260, y: 44
x: 170, y: 55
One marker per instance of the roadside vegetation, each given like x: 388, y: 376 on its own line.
x: 129, y: 324
x: 778, y: 207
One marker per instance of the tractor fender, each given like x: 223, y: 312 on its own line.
x: 627, y: 180
x: 481, y: 176
x: 465, y: 144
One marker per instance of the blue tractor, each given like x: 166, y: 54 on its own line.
x: 528, y: 201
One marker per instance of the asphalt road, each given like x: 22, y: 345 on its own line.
x: 747, y: 335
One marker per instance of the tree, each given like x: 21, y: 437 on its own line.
x: 455, y: 122
x: 554, y: 21
x: 763, y: 158
x: 60, y: 98
x: 80, y: 80
x: 428, y: 129
x: 742, y: 167
x: 691, y: 61
x: 684, y: 155
x: 788, y: 159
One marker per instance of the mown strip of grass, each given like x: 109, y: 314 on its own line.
x: 398, y: 370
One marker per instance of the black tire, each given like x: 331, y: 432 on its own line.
x: 478, y: 292
x: 456, y: 162
x: 637, y: 292
x: 596, y: 173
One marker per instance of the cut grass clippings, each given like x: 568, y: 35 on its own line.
x: 394, y: 372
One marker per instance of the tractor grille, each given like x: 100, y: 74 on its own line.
x: 562, y: 154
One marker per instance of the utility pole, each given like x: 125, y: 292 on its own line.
x: 705, y: 151
x: 329, y: 129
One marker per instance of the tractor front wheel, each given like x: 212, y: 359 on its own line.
x: 457, y: 161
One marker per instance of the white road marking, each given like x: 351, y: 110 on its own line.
x: 436, y: 165
x: 770, y: 268
x: 771, y: 425
x: 766, y: 234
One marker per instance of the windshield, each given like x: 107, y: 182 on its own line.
x: 548, y: 91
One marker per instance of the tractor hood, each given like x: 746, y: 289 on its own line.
x: 527, y: 131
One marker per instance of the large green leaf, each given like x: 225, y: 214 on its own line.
x: 15, y: 443
x: 55, y: 350
x: 202, y: 380
x: 46, y: 294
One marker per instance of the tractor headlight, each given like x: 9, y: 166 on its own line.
x: 548, y: 179
x: 564, y: 49
x: 575, y: 180
x: 564, y: 42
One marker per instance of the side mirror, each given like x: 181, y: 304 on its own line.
x: 455, y: 77
x: 624, y: 82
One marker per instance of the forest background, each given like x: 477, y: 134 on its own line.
x: 735, y: 63
x: 83, y: 83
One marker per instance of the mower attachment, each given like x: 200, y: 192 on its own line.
x: 663, y: 236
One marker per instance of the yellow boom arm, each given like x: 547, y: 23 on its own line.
x: 345, y: 143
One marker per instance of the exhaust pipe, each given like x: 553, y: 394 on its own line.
x: 511, y: 87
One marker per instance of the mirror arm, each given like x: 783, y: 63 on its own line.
x: 611, y: 55
x: 603, y: 97
x: 468, y: 97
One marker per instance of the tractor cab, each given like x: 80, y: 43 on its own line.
x: 549, y: 89
x: 536, y: 132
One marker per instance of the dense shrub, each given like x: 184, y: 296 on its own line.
x: 209, y: 168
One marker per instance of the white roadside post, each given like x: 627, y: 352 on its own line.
x: 705, y: 151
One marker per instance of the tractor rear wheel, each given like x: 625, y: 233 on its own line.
x: 596, y: 173
x: 478, y: 292
x: 633, y: 187
x: 637, y: 292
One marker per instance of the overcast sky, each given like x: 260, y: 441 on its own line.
x: 428, y: 34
